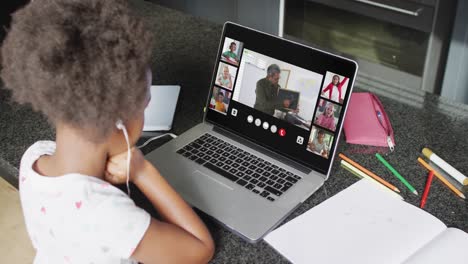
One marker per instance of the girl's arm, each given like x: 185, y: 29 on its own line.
x: 339, y: 88
x: 311, y: 145
x: 181, y: 237
x: 342, y: 82
x: 329, y: 86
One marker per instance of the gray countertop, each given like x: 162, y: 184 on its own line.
x: 184, y: 54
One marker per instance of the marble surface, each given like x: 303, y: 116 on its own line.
x: 184, y: 54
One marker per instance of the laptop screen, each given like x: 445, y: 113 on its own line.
x: 282, y: 95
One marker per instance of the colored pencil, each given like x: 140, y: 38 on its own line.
x: 426, y: 189
x: 362, y: 175
x: 396, y: 173
x: 449, y: 169
x: 441, y: 178
x: 370, y: 173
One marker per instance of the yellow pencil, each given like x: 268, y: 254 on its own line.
x: 361, y: 175
x: 441, y: 178
x: 368, y: 172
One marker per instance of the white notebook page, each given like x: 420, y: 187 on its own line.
x: 451, y: 246
x: 361, y: 224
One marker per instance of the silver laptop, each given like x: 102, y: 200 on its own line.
x: 273, y: 118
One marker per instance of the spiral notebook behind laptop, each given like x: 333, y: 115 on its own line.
x: 259, y: 153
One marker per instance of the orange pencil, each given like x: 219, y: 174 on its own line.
x: 370, y: 173
x: 441, y: 178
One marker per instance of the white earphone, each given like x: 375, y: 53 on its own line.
x: 119, y: 124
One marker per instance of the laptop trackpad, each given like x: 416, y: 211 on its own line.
x: 205, y: 192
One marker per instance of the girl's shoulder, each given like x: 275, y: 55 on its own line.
x: 35, y: 185
x: 39, y: 148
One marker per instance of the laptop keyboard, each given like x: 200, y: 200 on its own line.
x: 253, y: 173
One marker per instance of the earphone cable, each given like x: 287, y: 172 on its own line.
x: 129, y: 157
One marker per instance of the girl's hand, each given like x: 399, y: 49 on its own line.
x: 116, y: 167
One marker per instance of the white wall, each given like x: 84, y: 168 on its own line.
x: 253, y: 68
x: 246, y: 94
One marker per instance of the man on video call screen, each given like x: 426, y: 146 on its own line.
x: 267, y: 91
x: 277, y: 88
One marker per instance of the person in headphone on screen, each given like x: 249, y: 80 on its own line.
x: 85, y: 65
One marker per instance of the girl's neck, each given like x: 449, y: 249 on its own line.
x: 74, y: 154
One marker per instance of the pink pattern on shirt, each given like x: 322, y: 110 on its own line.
x: 77, y: 200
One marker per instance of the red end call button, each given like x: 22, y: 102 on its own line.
x: 282, y: 132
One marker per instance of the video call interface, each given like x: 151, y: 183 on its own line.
x: 293, y: 96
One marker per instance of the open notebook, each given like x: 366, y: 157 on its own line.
x: 363, y: 224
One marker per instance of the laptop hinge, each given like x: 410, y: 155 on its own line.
x: 262, y: 150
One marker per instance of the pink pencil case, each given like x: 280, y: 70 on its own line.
x: 366, y: 122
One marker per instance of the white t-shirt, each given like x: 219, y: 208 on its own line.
x: 319, y: 147
x: 335, y: 94
x: 76, y: 218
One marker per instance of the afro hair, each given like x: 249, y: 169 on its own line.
x: 80, y: 62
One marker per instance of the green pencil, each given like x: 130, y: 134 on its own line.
x: 395, y: 172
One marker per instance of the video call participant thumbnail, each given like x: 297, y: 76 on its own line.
x: 226, y: 75
x: 327, y: 114
x: 320, y: 142
x: 334, y: 87
x: 220, y: 100
x: 267, y: 90
x: 231, y: 50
